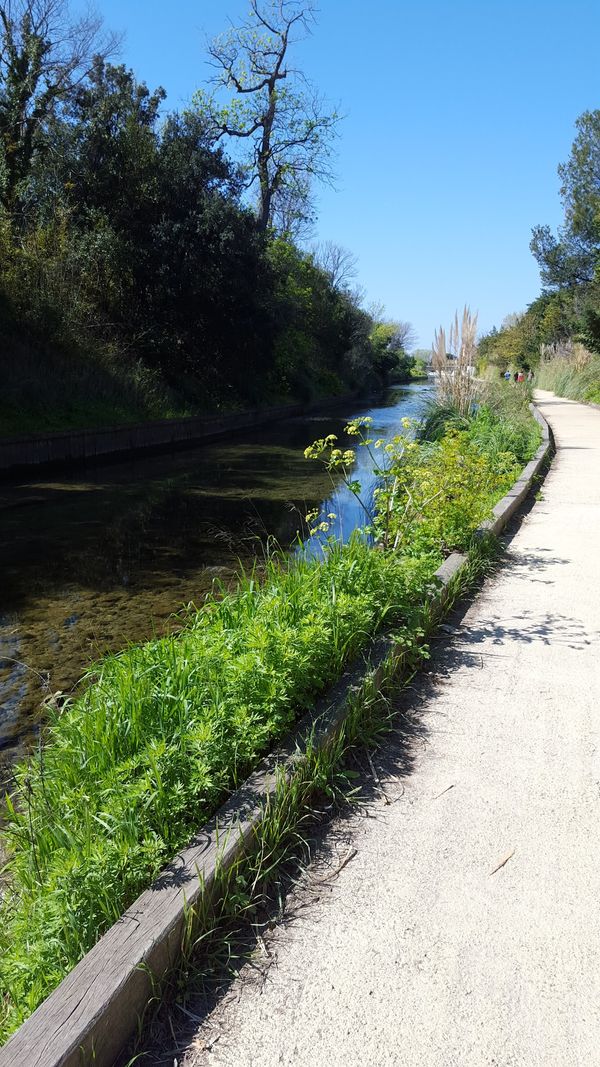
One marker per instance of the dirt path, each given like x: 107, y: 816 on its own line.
x: 424, y: 957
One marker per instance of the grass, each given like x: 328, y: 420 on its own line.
x: 44, y: 389
x: 566, y: 378
x: 501, y: 424
x: 166, y: 730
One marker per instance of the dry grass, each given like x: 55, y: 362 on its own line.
x: 456, y: 385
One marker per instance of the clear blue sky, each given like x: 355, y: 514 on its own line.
x: 457, y: 115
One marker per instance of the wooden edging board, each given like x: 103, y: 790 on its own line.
x: 92, y: 1014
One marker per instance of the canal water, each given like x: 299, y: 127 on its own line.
x: 107, y: 555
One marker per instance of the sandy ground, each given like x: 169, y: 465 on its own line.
x: 423, y: 953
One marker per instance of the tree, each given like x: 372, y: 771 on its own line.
x: 570, y: 258
x: 44, y: 52
x: 565, y: 260
x: 580, y: 175
x: 339, y: 263
x: 274, y: 110
x: 106, y: 129
x: 389, y: 340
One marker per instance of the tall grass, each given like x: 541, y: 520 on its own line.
x: 44, y: 388
x: 572, y: 377
x: 499, y: 424
x: 161, y: 736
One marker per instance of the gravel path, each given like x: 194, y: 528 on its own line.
x: 423, y: 956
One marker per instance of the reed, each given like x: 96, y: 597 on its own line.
x: 453, y: 360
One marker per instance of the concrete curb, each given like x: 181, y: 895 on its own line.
x: 92, y: 1014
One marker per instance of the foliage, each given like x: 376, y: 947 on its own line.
x: 388, y: 343
x: 566, y: 375
x: 571, y: 258
x: 568, y: 310
x: 499, y: 424
x: 324, y: 343
x: 44, y: 53
x: 160, y: 737
x: 131, y: 270
x: 419, y: 366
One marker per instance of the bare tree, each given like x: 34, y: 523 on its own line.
x: 44, y: 53
x: 273, y: 106
x: 339, y: 263
x: 406, y: 335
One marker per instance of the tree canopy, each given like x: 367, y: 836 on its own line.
x: 133, y: 269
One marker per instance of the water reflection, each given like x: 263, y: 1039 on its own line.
x: 95, y: 560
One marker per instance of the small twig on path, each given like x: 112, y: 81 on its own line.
x: 263, y: 945
x: 386, y: 799
x: 446, y: 790
x: 502, y: 862
x: 351, y: 853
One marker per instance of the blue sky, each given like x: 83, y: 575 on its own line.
x: 457, y: 115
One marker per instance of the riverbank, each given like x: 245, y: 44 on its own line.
x: 68, y: 448
x: 465, y: 928
x: 243, y: 631
x: 98, y: 557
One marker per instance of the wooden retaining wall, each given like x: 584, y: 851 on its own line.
x: 93, y: 1013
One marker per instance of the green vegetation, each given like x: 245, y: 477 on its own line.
x: 140, y: 277
x: 559, y: 333
x: 165, y: 730
x: 574, y: 374
x: 324, y: 778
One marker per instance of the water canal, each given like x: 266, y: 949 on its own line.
x: 107, y: 555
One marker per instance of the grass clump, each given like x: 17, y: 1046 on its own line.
x: 499, y: 424
x: 166, y: 730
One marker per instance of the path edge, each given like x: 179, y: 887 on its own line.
x: 94, y: 1012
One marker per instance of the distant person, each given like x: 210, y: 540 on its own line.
x: 530, y: 375
x: 506, y: 375
x: 516, y: 376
